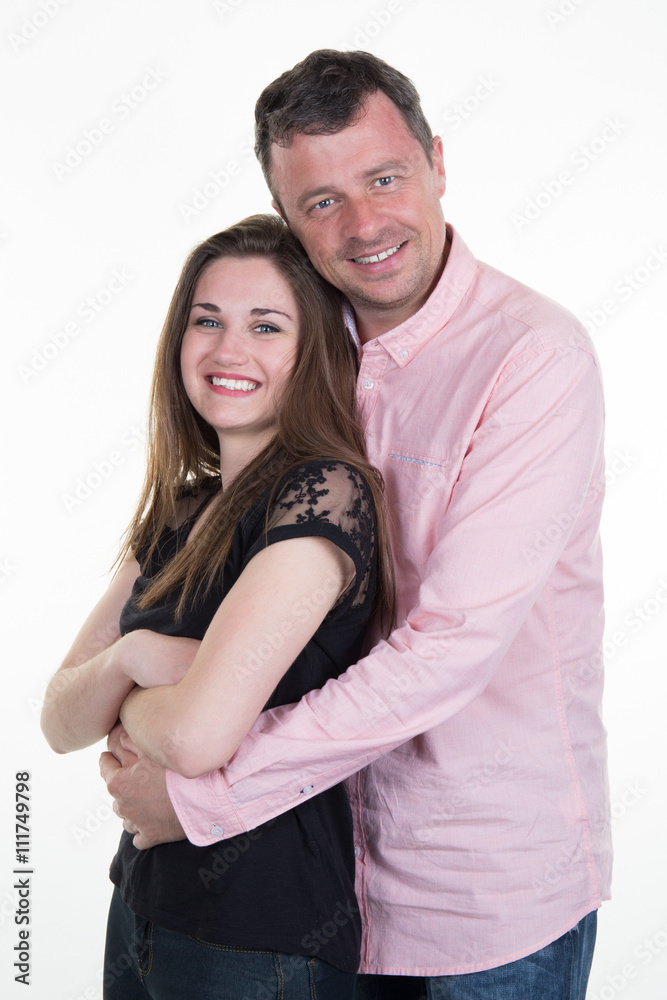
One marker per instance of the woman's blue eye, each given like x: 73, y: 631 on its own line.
x: 266, y: 328
x: 207, y: 321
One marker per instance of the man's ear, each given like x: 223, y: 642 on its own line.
x: 279, y: 209
x: 439, y: 165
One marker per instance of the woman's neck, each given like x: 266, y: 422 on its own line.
x: 237, y: 451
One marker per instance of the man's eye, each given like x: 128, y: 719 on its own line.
x: 383, y: 181
x: 324, y: 203
x: 266, y: 328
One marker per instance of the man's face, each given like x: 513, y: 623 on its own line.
x: 365, y: 204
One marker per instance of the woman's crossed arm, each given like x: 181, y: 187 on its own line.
x: 278, y: 602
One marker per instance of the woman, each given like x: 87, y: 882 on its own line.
x: 260, y: 532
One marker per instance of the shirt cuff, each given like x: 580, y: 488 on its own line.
x: 203, y: 807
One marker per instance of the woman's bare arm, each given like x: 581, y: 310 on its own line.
x: 276, y: 605
x: 83, y: 697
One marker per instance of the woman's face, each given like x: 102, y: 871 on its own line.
x: 239, y: 348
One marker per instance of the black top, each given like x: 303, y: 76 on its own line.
x: 288, y: 885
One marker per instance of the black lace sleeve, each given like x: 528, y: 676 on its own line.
x: 330, y: 499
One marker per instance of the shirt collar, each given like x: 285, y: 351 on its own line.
x: 351, y: 324
x: 407, y: 339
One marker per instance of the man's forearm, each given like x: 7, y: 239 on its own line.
x: 538, y: 454
x: 150, y: 718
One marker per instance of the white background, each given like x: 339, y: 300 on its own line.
x: 520, y: 92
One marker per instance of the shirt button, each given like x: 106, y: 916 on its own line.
x: 357, y: 852
x: 216, y: 831
x: 307, y: 790
x: 403, y: 353
x: 368, y: 383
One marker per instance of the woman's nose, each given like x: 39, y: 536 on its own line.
x: 231, y: 346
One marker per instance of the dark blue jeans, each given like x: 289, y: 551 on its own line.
x: 558, y: 972
x: 143, y: 961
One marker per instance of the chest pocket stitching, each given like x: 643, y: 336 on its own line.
x: 418, y: 461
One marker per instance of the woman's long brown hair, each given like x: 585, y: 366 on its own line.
x: 316, y: 420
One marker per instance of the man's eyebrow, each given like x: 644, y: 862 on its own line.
x: 378, y: 170
x: 382, y: 169
x: 307, y: 196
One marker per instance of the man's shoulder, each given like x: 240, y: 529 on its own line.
x: 527, y: 319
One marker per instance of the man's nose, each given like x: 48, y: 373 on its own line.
x: 362, y: 218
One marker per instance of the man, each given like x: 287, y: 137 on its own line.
x: 483, y: 836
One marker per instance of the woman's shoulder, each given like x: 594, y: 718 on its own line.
x: 191, y: 496
x: 321, y: 481
x: 323, y: 491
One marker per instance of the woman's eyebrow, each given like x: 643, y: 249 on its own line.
x: 205, y: 305
x: 257, y: 311
x: 263, y: 312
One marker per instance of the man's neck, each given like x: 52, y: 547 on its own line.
x: 372, y: 322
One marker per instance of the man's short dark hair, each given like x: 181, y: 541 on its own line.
x: 326, y: 92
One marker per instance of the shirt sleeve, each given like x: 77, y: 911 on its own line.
x: 533, y: 470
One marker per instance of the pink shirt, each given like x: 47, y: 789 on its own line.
x: 485, y: 833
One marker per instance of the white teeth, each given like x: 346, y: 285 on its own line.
x: 376, y: 257
x: 233, y: 383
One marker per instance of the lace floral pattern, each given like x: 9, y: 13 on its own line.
x: 332, y: 493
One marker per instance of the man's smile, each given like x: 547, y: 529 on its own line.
x: 377, y: 257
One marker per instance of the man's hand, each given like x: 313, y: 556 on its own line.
x: 139, y: 789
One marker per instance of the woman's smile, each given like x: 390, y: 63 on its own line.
x: 239, y: 349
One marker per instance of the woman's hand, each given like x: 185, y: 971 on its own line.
x: 151, y: 659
